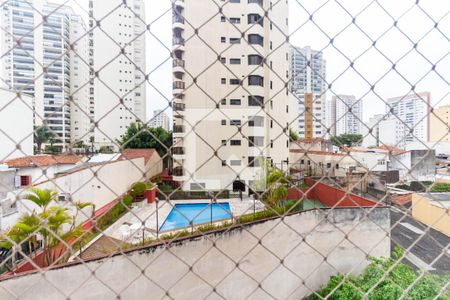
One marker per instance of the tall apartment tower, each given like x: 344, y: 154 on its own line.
x: 38, y: 60
x: 348, y: 115
x: 308, y: 86
x: 403, y: 114
x: 160, y: 119
x: 440, y: 124
x: 117, y: 58
x: 230, y: 92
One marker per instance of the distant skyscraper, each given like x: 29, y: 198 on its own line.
x: 372, y: 138
x: 160, y: 119
x: 117, y: 49
x: 308, y: 85
x: 228, y: 145
x: 406, y: 113
x: 42, y: 65
x: 348, y: 115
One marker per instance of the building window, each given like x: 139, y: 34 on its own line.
x: 235, y: 61
x: 235, y: 81
x: 223, y: 102
x: 253, y: 161
x: 255, y: 19
x: 235, y: 122
x: 235, y: 40
x: 256, y: 39
x: 24, y: 181
x: 235, y: 101
x: 235, y: 20
x: 255, y: 59
x: 222, y: 19
x: 255, y: 101
x: 235, y: 162
x: 255, y: 141
x: 223, y: 122
x: 255, y: 121
x: 223, y: 60
x: 235, y: 1
x: 256, y: 80
x: 224, y: 163
x: 223, y: 39
x: 224, y: 142
x: 223, y: 80
x: 235, y: 142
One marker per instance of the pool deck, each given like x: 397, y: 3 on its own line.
x: 129, y: 227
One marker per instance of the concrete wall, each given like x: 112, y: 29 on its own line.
x: 324, y: 232
x: 432, y: 213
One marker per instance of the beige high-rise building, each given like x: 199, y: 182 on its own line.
x: 439, y: 124
x: 117, y: 57
x: 230, y: 91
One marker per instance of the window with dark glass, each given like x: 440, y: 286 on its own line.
x: 256, y: 80
x: 235, y: 122
x: 256, y: 39
x: 235, y: 61
x: 255, y: 19
x: 235, y: 40
x: 235, y: 81
x: 235, y: 101
x: 254, y: 59
x: 255, y: 141
x: 255, y: 101
x: 235, y: 142
x: 235, y: 20
x: 223, y: 80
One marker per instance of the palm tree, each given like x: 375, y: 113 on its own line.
x: 274, y: 183
x: 41, y: 197
x: 42, y: 135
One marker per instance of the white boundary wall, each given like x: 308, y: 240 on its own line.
x: 169, y: 268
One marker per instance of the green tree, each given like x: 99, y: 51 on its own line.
x: 54, y: 225
x: 42, y: 135
x: 274, y: 184
x: 137, y: 136
x: 41, y: 197
x: 347, y: 140
x: 293, y: 136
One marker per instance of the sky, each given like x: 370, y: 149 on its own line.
x: 353, y: 25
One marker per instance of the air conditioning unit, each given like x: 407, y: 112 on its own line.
x: 64, y: 197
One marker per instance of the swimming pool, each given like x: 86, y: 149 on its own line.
x: 182, y: 214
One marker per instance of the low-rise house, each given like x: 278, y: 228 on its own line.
x: 432, y: 209
x: 98, y: 183
x: 314, y: 144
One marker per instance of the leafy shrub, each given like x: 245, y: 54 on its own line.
x: 392, y: 286
x: 115, y: 212
x: 149, y: 185
x: 138, y: 189
x: 165, y: 187
x: 440, y: 187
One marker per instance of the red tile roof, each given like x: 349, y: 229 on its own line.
x: 137, y: 153
x: 42, y: 160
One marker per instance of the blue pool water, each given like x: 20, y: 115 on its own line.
x: 182, y: 214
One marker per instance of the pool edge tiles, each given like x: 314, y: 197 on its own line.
x: 182, y: 214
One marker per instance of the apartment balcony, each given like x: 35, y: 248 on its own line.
x: 178, y: 21
x: 178, y: 172
x: 178, y: 43
x: 178, y: 106
x: 178, y: 87
x: 178, y: 153
x: 178, y: 128
x: 180, y: 3
x: 178, y: 65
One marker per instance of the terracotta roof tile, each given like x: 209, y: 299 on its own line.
x: 42, y: 160
x: 137, y: 153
